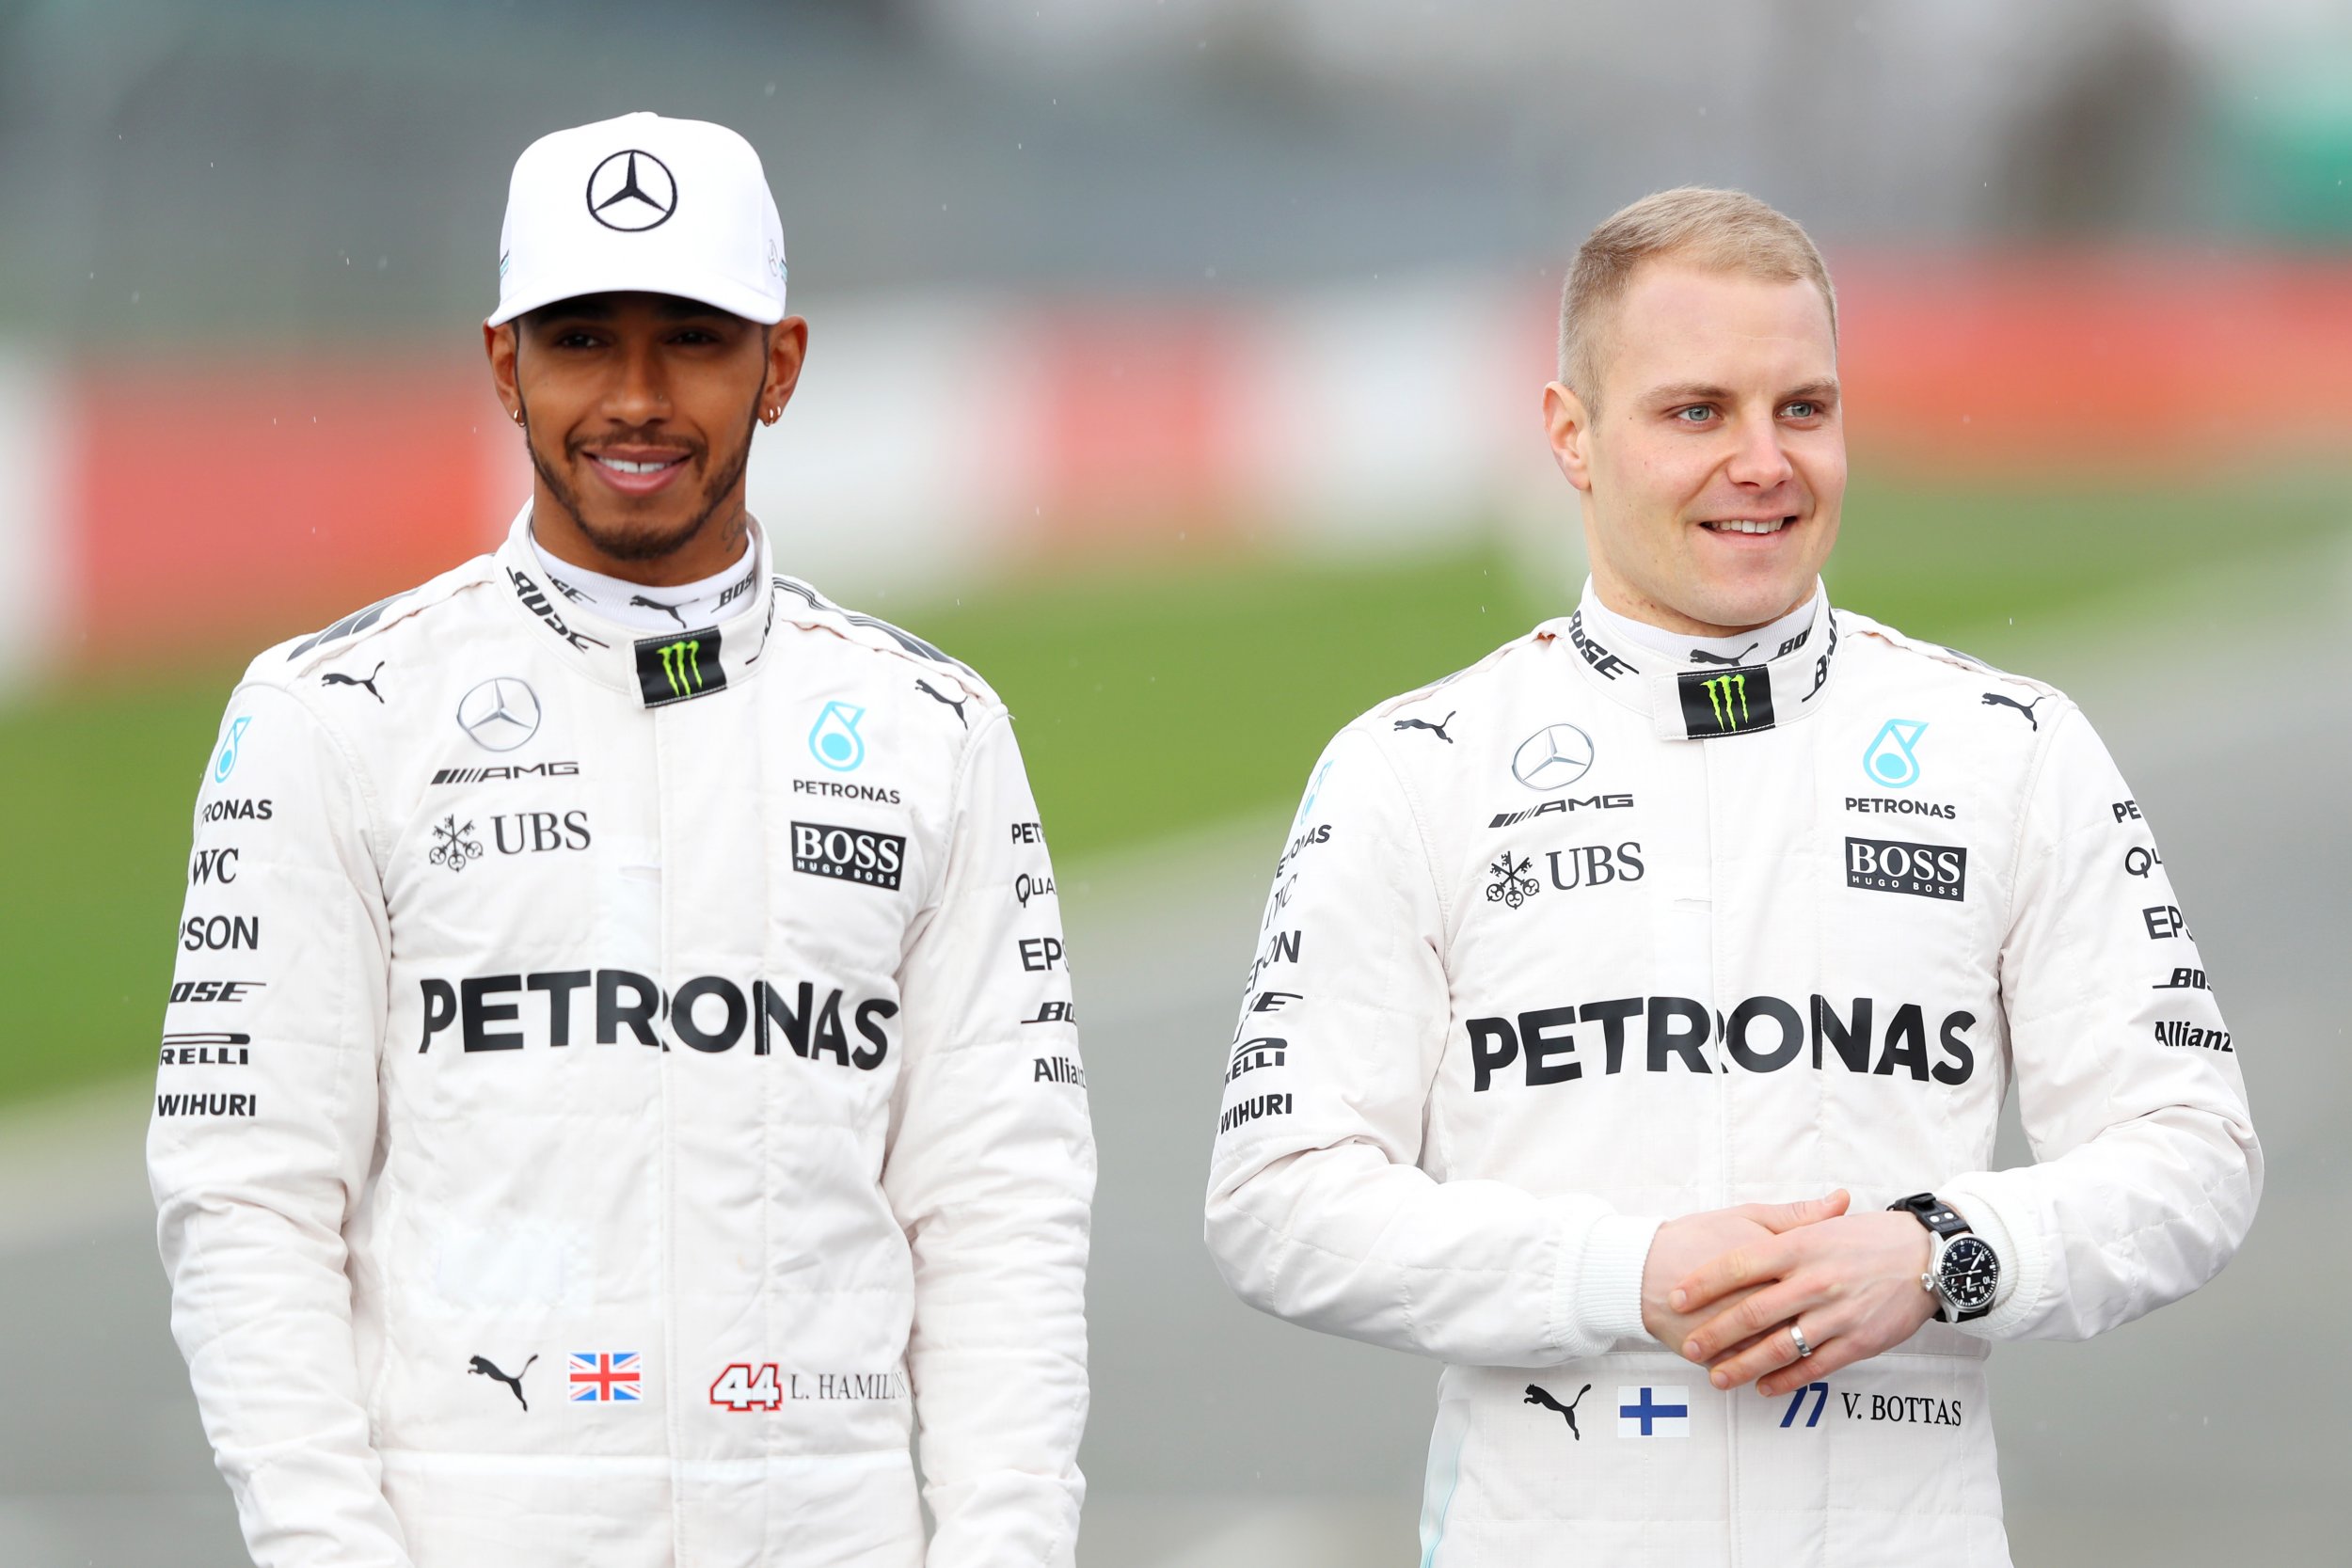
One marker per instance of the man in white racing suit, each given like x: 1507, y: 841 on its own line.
x: 620, y: 1085
x: 1612, y: 990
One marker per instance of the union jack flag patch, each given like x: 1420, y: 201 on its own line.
x: 601, y: 1377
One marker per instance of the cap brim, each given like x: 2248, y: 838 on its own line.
x: 710, y: 288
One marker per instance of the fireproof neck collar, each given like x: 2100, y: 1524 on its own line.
x: 639, y: 608
x: 1748, y: 647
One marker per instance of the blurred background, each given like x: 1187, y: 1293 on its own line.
x: 1176, y: 362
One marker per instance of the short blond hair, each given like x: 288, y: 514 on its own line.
x: 1720, y: 231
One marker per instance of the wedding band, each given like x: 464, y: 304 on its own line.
x: 1797, y: 1333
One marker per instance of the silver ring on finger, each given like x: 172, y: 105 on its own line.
x: 1797, y: 1335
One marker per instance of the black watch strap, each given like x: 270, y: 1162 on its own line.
x: 1933, y: 1213
x: 1939, y: 1217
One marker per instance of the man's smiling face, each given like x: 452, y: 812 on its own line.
x: 1714, y: 465
x: 639, y: 412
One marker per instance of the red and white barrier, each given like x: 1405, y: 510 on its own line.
x: 158, y: 508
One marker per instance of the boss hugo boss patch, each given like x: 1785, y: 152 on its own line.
x: 1890, y: 865
x: 858, y: 855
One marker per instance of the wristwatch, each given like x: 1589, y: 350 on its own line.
x: 1964, y: 1271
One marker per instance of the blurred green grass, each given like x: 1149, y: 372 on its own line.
x: 1153, y: 703
x: 1150, y: 699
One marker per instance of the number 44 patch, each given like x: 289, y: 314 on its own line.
x: 745, y: 1387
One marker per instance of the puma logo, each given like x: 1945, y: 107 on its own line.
x: 482, y: 1365
x: 1437, y: 729
x: 938, y: 696
x: 368, y: 680
x: 1996, y: 699
x: 1537, y: 1396
x: 1700, y: 655
x: 640, y: 601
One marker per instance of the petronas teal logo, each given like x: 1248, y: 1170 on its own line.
x: 834, y: 741
x: 1891, y: 759
x: 225, y: 763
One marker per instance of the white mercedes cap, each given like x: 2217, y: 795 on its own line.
x: 666, y: 206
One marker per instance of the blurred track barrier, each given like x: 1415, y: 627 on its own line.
x: 217, y: 502
x: 36, y: 518
x: 2194, y: 361
x: 158, y: 508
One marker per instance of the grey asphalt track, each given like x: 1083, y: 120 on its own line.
x: 2215, y: 1430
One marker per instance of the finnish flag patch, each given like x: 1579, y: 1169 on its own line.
x: 1648, y: 1412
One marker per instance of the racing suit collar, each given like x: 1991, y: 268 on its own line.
x: 658, y: 671
x: 1706, y: 700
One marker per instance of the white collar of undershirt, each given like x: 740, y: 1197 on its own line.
x: 1749, y: 647
x: 640, y: 608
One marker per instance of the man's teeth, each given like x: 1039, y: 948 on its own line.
x: 622, y: 464
x: 1749, y: 525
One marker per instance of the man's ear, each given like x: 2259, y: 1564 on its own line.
x: 1570, y: 429
x: 498, y: 343
x: 788, y: 349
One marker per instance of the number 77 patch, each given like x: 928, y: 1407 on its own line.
x: 1819, y: 1392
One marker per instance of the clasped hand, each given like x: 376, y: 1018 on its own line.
x: 1722, y: 1287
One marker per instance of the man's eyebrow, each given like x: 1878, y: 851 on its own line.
x: 1688, y: 391
x: 1697, y: 391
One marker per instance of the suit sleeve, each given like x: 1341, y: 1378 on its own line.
x: 1318, y: 1210
x: 264, y: 1130
x: 990, y: 1170
x: 2147, y: 1170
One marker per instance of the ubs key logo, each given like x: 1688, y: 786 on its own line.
x: 849, y: 854
x: 1924, y: 870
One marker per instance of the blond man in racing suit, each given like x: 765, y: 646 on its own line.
x: 1633, y: 1010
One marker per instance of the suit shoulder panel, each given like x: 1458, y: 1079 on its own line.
x: 1473, y: 682
x: 801, y: 605
x: 1937, y: 664
x: 297, y: 656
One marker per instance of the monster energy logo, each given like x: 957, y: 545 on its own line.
x: 670, y: 670
x: 1722, y: 703
x: 1729, y: 696
x: 681, y: 665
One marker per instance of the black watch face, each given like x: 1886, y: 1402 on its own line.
x: 1970, y: 1273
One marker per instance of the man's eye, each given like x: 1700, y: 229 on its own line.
x: 1802, y: 410
x: 1696, y: 414
x: 573, y: 339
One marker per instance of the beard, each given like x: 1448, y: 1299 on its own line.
x: 620, y: 543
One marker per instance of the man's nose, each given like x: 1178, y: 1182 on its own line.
x: 1761, y: 460
x: 641, y: 393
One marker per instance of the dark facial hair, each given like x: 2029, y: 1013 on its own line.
x: 647, y: 546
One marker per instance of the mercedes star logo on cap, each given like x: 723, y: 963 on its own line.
x: 1553, y: 757
x: 723, y: 248
x: 500, y: 714
x: 632, y: 191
